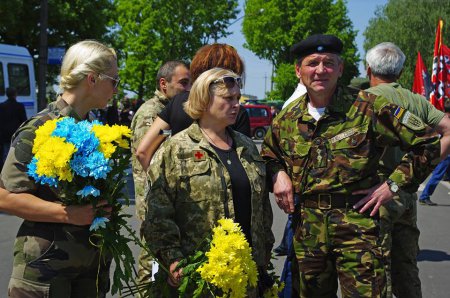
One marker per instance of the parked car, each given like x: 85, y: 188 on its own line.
x: 260, y: 119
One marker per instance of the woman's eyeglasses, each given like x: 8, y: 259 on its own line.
x: 230, y: 81
x: 116, y: 81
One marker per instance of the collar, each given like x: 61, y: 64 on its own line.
x: 195, y: 133
x: 62, y: 109
x: 161, y: 96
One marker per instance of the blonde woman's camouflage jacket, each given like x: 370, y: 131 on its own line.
x: 191, y: 190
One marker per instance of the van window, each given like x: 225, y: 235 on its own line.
x: 19, y: 78
x: 2, y: 80
x: 257, y: 112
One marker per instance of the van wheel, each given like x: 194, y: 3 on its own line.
x: 259, y: 133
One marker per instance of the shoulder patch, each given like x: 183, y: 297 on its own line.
x: 408, y: 119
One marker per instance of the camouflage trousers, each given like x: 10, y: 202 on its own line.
x: 144, y: 270
x: 400, y: 233
x: 57, y: 260
x: 339, y: 243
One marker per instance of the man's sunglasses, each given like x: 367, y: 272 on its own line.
x: 116, y: 81
x: 230, y: 81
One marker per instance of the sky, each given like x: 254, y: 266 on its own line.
x: 258, y: 71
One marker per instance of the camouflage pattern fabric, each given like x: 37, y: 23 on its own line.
x: 57, y: 260
x: 190, y: 190
x: 325, y: 239
x: 340, y: 154
x: 403, y: 236
x: 50, y: 260
x: 141, y: 122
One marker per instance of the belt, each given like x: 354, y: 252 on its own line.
x: 329, y: 200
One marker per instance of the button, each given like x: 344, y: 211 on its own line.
x: 318, y: 180
x: 354, y: 142
x: 318, y: 141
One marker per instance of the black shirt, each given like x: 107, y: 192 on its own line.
x: 174, y: 114
x: 240, y: 187
x: 12, y: 115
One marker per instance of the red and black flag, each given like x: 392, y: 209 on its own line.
x: 440, y: 77
x: 422, y: 80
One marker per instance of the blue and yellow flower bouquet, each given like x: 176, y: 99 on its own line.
x: 85, y: 162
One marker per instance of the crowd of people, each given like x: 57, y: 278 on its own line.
x: 343, y: 165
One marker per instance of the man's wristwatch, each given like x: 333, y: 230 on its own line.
x: 392, y: 185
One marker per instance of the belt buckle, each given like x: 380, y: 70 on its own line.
x: 326, y: 200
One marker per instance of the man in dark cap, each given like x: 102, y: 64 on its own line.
x: 325, y: 147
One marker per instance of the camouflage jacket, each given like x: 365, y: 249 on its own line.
x: 340, y: 152
x: 191, y: 190
x: 14, y: 175
x: 141, y: 122
x: 416, y: 104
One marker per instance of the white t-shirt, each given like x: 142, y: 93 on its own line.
x: 316, y: 113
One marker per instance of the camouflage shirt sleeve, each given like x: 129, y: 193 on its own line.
x: 159, y: 227
x: 394, y: 125
x: 14, y: 175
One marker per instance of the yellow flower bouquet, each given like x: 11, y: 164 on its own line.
x: 226, y: 269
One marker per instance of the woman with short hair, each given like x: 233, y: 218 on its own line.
x: 204, y: 173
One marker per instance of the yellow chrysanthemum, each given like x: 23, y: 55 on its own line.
x: 110, y: 136
x: 43, y: 133
x: 230, y: 266
x: 53, y: 158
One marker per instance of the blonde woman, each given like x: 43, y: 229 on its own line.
x: 53, y: 255
x: 206, y: 172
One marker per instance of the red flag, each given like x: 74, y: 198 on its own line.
x: 422, y: 83
x: 440, y: 76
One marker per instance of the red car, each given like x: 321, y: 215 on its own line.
x: 260, y: 119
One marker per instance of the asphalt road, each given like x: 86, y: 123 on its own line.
x: 434, y: 257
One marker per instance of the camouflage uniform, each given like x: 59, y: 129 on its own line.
x: 141, y: 122
x: 191, y: 190
x: 50, y: 259
x: 399, y: 217
x: 333, y: 157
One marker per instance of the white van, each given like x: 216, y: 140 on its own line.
x: 17, y: 71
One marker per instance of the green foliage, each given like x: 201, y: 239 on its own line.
x: 151, y: 32
x: 271, y: 27
x: 285, y: 81
x: 68, y: 22
x: 410, y: 24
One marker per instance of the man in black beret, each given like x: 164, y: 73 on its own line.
x: 325, y: 148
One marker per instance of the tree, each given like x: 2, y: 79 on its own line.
x: 271, y: 27
x: 411, y: 25
x: 151, y: 32
x: 68, y: 22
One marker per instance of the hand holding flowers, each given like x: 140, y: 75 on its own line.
x: 84, y: 163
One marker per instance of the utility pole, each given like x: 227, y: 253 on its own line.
x: 265, y: 84
x: 43, y: 53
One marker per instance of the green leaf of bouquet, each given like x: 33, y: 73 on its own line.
x: 200, y: 286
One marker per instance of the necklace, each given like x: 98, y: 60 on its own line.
x: 228, y: 142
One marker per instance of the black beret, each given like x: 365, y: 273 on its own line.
x: 317, y: 43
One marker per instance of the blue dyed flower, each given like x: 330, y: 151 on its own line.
x: 78, y: 134
x: 94, y: 165
x: 88, y: 190
x: 99, y: 222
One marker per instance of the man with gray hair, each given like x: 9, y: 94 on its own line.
x: 399, y: 217
x: 172, y: 78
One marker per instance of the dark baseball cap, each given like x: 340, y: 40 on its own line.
x: 317, y: 43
